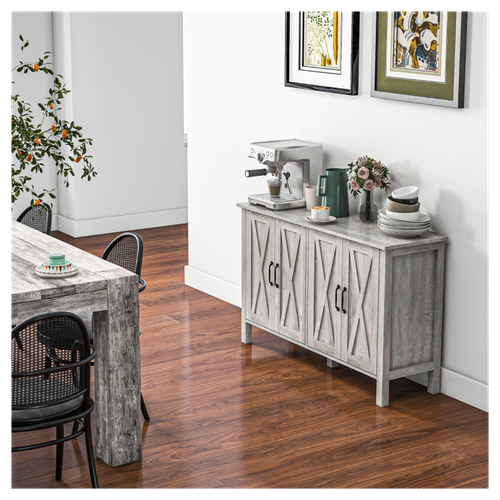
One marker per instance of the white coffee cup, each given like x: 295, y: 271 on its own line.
x: 320, y: 213
x: 312, y: 200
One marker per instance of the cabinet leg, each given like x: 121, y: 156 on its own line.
x: 434, y: 381
x: 246, y: 332
x: 382, y: 391
x: 331, y: 364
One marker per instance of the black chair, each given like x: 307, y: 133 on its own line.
x: 39, y: 218
x: 52, y: 394
x: 126, y: 250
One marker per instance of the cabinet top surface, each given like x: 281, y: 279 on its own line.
x: 350, y: 228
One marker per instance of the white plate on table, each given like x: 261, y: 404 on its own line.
x: 402, y: 233
x: 422, y: 219
x: 403, y: 229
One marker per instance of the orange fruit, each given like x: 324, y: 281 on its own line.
x: 35, y: 66
x: 37, y: 141
x: 28, y: 158
x: 51, y: 105
x: 37, y: 202
x: 19, y: 153
x: 78, y: 159
x: 53, y: 128
x: 64, y: 134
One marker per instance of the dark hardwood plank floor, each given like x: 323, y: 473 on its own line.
x: 266, y: 415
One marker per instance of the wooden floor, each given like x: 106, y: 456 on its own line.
x: 266, y: 415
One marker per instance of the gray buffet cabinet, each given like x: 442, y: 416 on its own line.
x: 347, y: 291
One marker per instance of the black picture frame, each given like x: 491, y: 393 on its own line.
x: 346, y: 82
x: 450, y: 93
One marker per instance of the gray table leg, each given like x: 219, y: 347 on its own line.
x: 118, y: 375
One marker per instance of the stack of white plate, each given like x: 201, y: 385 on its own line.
x: 403, y: 228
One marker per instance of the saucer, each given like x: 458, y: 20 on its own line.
x: 46, y: 270
x: 330, y: 219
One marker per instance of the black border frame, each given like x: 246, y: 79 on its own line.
x: 353, y: 90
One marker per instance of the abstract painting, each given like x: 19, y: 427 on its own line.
x: 417, y: 45
x: 420, y: 57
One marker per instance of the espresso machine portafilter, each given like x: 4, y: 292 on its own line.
x: 292, y: 159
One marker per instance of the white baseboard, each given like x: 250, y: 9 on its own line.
x: 106, y: 225
x: 453, y: 384
x: 464, y: 389
x: 460, y: 387
x: 212, y: 286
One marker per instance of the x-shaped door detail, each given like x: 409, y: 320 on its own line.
x: 359, y: 319
x: 261, y: 247
x: 291, y: 261
x: 324, y: 278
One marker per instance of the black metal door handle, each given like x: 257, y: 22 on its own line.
x: 276, y: 267
x: 343, y: 310
x: 269, y: 273
x: 336, y: 292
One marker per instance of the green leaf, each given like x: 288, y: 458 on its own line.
x: 25, y: 129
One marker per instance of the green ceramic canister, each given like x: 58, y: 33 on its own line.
x: 332, y: 187
x: 57, y: 259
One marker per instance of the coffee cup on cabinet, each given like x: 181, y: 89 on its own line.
x: 312, y: 199
x: 320, y: 213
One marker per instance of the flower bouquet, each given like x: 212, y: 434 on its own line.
x: 366, y: 174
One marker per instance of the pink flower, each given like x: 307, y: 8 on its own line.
x: 354, y: 185
x: 364, y: 173
x: 378, y: 182
x: 368, y: 185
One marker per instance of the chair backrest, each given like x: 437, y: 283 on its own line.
x: 45, y: 374
x: 126, y: 250
x: 39, y: 218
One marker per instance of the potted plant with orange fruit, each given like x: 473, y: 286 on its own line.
x: 35, y: 140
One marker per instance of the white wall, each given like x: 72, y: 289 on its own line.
x: 124, y: 71
x: 234, y: 95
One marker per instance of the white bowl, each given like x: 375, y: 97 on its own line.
x: 414, y: 216
x: 405, y: 193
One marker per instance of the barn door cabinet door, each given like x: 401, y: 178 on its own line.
x: 274, y: 296
x: 324, y: 328
x: 260, y: 293
x: 290, y: 280
x: 343, y: 300
x: 360, y: 305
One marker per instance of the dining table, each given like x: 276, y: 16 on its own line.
x: 108, y: 291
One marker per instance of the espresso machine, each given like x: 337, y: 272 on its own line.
x: 291, y: 163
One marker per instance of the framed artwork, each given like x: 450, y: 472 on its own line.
x: 322, y: 51
x: 420, y: 57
